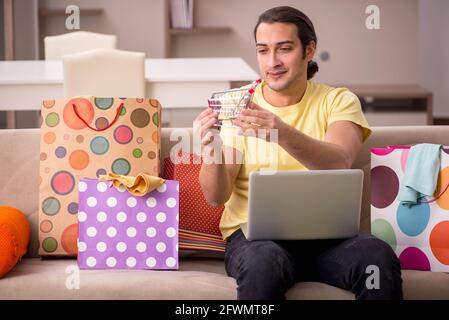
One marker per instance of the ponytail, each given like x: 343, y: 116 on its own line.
x: 312, y: 68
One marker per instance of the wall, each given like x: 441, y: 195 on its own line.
x: 2, y: 33
x: 355, y: 51
x: 443, y: 109
x: 410, y: 47
x: 25, y: 30
x: 138, y: 24
x: 26, y: 46
x: 2, y: 56
x: 358, y: 55
x: 433, y: 52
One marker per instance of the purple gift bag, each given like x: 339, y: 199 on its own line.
x: 118, y: 230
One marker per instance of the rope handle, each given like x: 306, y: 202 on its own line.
x: 119, y: 109
x: 437, y: 197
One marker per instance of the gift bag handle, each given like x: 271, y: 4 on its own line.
x: 119, y: 109
x: 437, y: 197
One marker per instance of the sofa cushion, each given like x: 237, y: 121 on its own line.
x: 19, y: 182
x: 19, y: 173
x: 197, y: 279
x: 36, y: 278
x: 19, y: 176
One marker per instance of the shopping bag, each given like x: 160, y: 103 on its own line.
x: 120, y: 231
x: 199, y: 221
x: 88, y: 137
x: 419, y: 234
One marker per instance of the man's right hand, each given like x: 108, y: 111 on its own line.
x: 203, y: 129
x: 216, y: 177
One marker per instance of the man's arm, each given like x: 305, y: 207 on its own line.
x: 217, y: 180
x: 216, y: 177
x: 339, y: 149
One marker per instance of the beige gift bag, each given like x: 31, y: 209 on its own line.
x: 85, y: 138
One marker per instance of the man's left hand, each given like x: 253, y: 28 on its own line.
x: 254, y: 118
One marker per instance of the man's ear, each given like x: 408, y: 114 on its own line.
x: 310, y: 50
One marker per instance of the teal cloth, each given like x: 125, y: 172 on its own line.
x: 421, y: 173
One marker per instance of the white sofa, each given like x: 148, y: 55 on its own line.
x: 197, y: 278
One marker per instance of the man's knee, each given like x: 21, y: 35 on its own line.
x: 267, y: 256
x: 265, y: 264
x: 266, y: 271
x: 380, y: 270
x: 375, y: 251
x: 377, y: 261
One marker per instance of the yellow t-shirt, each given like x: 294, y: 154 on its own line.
x: 320, y: 106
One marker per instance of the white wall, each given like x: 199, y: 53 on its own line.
x: 140, y: 25
x: 358, y: 55
x: 433, y: 52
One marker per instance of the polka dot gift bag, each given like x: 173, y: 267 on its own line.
x: 419, y: 234
x: 199, y: 221
x: 118, y: 230
x: 83, y: 138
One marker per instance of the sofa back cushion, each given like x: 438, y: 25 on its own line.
x: 19, y: 169
x: 381, y: 137
x: 19, y: 177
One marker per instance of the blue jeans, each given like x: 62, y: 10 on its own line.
x: 267, y: 269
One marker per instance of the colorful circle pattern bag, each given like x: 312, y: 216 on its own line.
x: 83, y: 138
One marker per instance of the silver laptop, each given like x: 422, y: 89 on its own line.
x: 300, y: 205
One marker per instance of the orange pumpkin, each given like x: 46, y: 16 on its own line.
x: 14, y: 237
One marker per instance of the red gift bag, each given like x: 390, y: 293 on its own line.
x: 198, y: 221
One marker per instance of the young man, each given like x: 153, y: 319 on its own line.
x: 318, y: 127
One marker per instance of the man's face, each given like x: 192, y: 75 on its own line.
x: 280, y: 55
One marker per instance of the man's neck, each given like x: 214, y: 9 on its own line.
x: 287, y: 97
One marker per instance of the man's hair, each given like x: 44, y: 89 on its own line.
x: 306, y: 31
